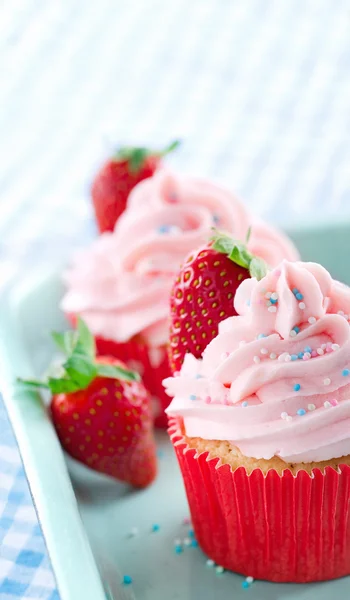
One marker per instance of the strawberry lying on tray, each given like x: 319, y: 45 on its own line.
x: 101, y: 411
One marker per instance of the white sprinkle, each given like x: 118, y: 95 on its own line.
x: 187, y: 542
x: 177, y: 542
x: 320, y: 351
x: 210, y: 562
x: 307, y: 355
x: 335, y: 347
x: 289, y: 418
x: 249, y: 579
x: 327, y: 404
x: 284, y: 415
x: 293, y: 333
x: 302, y: 305
x: 268, y: 295
x: 256, y: 359
x: 264, y: 351
x: 312, y: 320
x: 326, y: 381
x: 311, y: 407
x: 287, y: 358
x: 273, y: 356
x: 219, y: 569
x: 272, y: 308
x: 274, y: 296
x: 133, y: 531
x: 341, y: 313
x: 323, y: 346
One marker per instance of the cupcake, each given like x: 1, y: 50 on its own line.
x: 120, y: 285
x: 261, y: 429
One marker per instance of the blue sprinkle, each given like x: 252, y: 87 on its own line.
x: 345, y: 372
x: 307, y: 349
x: 273, y: 301
x: 155, y: 527
x: 299, y: 296
x: 193, y: 397
x: 164, y: 228
x: 261, y: 335
x: 194, y: 543
x: 296, y: 329
x: 294, y: 356
x: 216, y: 219
x: 191, y: 533
x: 178, y: 549
x: 295, y: 291
x: 301, y: 354
x: 127, y: 579
x: 245, y: 403
x: 245, y: 585
x: 297, y: 387
x: 301, y: 412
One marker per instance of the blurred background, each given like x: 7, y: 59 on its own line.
x: 258, y: 90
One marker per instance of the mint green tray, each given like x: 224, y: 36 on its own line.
x: 87, y: 519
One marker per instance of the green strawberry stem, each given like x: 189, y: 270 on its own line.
x: 137, y: 155
x: 80, y: 367
x: 238, y: 252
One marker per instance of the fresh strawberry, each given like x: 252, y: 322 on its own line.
x: 101, y: 411
x: 203, y: 294
x: 114, y: 182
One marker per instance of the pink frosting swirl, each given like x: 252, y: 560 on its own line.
x: 276, y: 379
x: 121, y: 284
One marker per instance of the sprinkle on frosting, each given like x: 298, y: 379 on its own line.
x: 296, y: 387
x: 301, y: 412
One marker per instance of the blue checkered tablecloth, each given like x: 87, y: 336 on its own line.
x: 259, y: 90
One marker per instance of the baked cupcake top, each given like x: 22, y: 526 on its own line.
x: 120, y: 285
x: 276, y: 379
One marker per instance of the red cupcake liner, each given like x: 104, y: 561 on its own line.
x: 151, y: 363
x: 281, y: 528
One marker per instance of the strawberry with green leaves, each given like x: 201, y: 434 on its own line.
x: 203, y: 294
x: 118, y: 176
x: 101, y: 411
